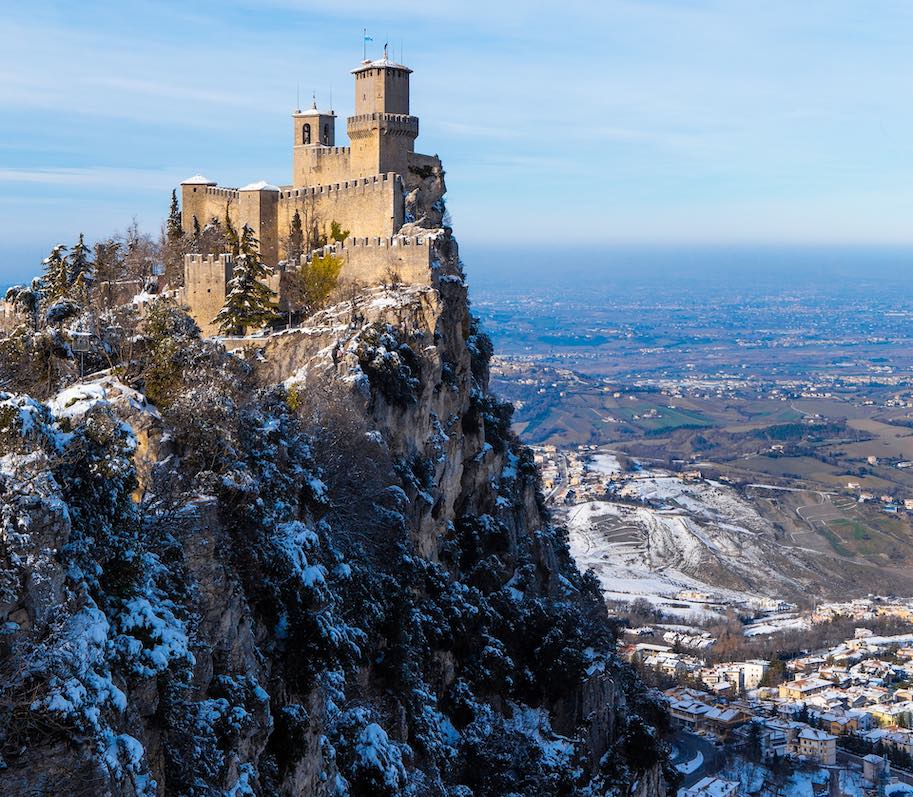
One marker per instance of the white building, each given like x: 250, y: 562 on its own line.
x: 712, y: 787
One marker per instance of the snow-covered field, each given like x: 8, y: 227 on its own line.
x: 627, y: 568
x: 773, y: 624
x: 606, y: 464
x: 673, y: 536
x: 687, y: 767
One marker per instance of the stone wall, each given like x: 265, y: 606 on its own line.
x: 372, y: 261
x: 382, y: 90
x: 205, y: 281
x: 381, y: 142
x: 369, y: 261
x: 259, y: 209
x: 370, y: 206
x: 206, y: 201
x: 10, y: 317
x: 320, y: 165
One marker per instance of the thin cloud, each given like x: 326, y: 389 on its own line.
x: 143, y: 179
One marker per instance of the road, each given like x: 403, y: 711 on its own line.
x: 689, y: 745
x: 561, y: 480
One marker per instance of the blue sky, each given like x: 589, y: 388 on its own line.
x: 622, y: 121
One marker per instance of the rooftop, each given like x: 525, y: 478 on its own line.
x: 198, y: 179
x: 380, y: 63
x: 262, y: 185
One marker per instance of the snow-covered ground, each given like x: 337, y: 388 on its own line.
x: 772, y: 624
x: 673, y: 536
x: 606, y: 464
x: 758, y: 779
x: 624, y: 564
x: 687, y: 767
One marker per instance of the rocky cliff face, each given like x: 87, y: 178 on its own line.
x: 317, y: 566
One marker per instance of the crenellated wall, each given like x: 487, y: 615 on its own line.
x: 365, y: 260
x: 205, y: 202
x: 368, y: 206
x: 205, y: 281
x: 320, y: 165
x: 377, y: 260
x: 381, y: 142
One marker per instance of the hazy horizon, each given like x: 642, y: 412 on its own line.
x: 641, y: 121
x: 566, y: 268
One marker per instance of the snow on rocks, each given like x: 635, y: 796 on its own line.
x: 151, y: 638
x: 76, y: 400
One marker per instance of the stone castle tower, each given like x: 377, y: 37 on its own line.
x: 371, y: 188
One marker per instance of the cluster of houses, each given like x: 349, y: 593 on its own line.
x: 857, y: 688
x: 864, y: 609
x: 730, y: 678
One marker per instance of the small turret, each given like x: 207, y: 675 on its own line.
x: 313, y: 127
x: 194, y: 201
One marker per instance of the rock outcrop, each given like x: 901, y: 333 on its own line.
x: 338, y: 577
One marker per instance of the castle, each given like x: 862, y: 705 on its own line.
x: 371, y: 188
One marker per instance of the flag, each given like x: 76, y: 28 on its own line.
x: 369, y: 39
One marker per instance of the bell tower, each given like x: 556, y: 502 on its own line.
x: 311, y: 129
x: 382, y: 131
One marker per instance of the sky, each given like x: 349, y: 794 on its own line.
x: 620, y: 122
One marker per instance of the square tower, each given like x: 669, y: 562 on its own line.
x: 381, y: 87
x: 314, y: 128
x: 314, y: 155
x: 382, y: 131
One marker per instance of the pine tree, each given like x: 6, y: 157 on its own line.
x: 197, y: 232
x: 56, y: 275
x: 295, y: 238
x: 80, y: 265
x: 231, y: 234
x: 173, y: 227
x: 250, y: 301
x: 28, y: 299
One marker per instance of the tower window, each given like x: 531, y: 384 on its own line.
x: 326, y: 134
x: 306, y: 134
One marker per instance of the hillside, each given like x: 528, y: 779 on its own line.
x: 318, y: 564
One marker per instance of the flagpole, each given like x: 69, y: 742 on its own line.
x: 364, y: 44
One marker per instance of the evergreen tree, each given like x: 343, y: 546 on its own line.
x: 56, y: 274
x: 250, y: 301
x: 173, y: 228
x: 197, y: 232
x: 80, y: 265
x: 231, y: 234
x: 295, y: 238
x: 27, y: 299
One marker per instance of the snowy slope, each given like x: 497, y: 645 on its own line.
x: 676, y: 535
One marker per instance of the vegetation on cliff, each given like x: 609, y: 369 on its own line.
x: 338, y: 579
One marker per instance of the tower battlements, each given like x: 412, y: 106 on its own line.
x: 373, y: 260
x: 375, y: 182
x: 218, y: 191
x: 408, y: 125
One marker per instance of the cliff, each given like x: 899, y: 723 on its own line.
x: 318, y: 565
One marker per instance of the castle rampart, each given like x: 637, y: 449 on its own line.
x: 371, y: 206
x: 374, y: 260
x: 205, y: 202
x: 362, y: 187
x: 313, y: 165
x: 205, y: 282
